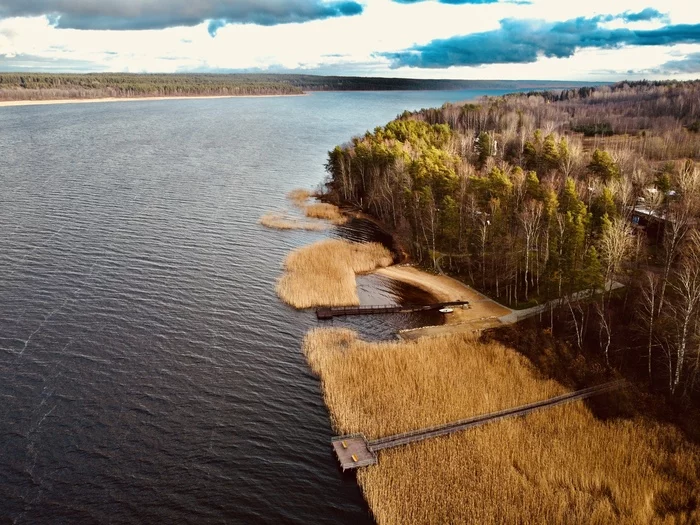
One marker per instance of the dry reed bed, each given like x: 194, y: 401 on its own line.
x: 323, y: 273
x: 325, y: 211
x: 299, y: 197
x: 280, y: 221
x: 319, y: 212
x: 557, y: 466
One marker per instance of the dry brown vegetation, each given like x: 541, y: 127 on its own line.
x: 280, y: 221
x: 323, y: 273
x: 299, y: 197
x: 322, y: 210
x: 318, y: 210
x: 561, y: 465
x: 319, y: 213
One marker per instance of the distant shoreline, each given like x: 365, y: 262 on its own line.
x: 45, y: 102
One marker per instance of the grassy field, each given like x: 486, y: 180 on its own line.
x: 323, y: 273
x: 561, y: 465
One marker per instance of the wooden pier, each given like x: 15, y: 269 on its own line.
x: 354, y: 451
x: 335, y: 311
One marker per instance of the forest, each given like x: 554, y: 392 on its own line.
x: 51, y: 86
x: 585, y: 199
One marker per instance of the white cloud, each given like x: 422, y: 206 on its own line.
x: 341, y: 45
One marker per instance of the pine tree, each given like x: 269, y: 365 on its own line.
x: 603, y: 166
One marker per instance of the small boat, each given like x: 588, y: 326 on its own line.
x: 446, y: 310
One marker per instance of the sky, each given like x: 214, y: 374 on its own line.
x: 591, y: 40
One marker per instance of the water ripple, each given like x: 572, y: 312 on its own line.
x: 148, y: 373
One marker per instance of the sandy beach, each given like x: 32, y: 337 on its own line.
x: 11, y: 103
x: 482, y: 312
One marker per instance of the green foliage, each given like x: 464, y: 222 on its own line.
x: 592, y: 273
x: 544, y: 154
x: 569, y: 201
x: 550, y: 153
x: 532, y: 151
x: 603, y: 208
x: 495, y: 185
x: 591, y: 130
x: 532, y: 186
x: 603, y: 166
x: 484, y: 148
x: 663, y: 182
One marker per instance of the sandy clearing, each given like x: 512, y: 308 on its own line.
x: 482, y: 312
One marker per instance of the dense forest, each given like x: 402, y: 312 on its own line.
x: 555, y: 198
x: 48, y: 86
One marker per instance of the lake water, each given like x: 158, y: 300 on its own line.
x: 148, y: 372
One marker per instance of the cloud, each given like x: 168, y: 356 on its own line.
x: 689, y: 64
x: 26, y: 62
x: 524, y: 41
x: 159, y: 14
x: 644, y: 15
x: 465, y: 2
x: 452, y: 2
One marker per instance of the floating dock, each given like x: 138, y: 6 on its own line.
x: 336, y: 311
x: 355, y: 451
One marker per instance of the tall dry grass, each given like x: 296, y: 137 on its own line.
x: 560, y: 465
x: 322, y: 210
x: 323, y: 273
x: 318, y: 212
x: 280, y: 221
x: 299, y: 197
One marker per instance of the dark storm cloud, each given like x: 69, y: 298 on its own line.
x: 159, y: 14
x: 523, y: 41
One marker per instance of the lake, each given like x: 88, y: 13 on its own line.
x: 148, y: 372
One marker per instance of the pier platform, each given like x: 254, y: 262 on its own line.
x: 353, y: 452
x: 335, y: 311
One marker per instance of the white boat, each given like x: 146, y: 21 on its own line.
x: 446, y: 310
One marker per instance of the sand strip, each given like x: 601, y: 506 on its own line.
x: 11, y: 103
x: 482, y: 312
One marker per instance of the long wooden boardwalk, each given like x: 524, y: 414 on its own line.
x: 335, y: 311
x: 355, y: 451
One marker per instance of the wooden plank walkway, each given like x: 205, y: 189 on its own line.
x: 367, y: 450
x: 335, y: 311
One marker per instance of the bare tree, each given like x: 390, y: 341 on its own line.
x: 687, y: 288
x: 677, y: 223
x: 616, y: 243
x: 573, y: 160
x: 650, y: 293
x: 530, y: 218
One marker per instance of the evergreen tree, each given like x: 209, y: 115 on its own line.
x: 603, y: 166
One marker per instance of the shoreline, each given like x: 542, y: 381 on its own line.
x: 482, y: 312
x: 46, y: 102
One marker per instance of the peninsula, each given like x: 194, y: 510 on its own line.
x: 582, y: 205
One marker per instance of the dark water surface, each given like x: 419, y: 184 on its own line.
x: 148, y: 372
